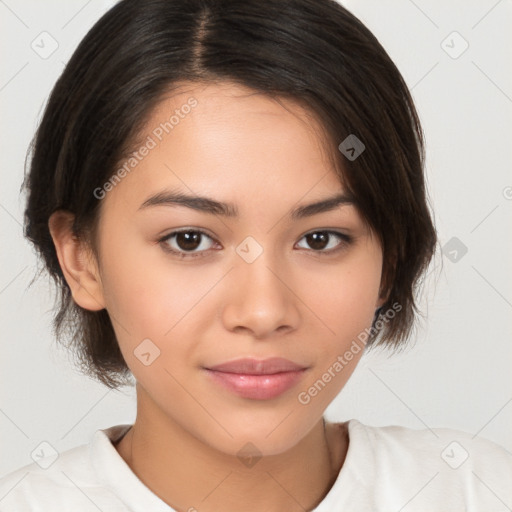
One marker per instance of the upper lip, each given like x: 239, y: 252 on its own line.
x: 249, y: 366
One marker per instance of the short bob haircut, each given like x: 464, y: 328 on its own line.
x: 314, y: 52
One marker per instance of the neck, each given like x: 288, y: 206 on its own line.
x: 190, y: 475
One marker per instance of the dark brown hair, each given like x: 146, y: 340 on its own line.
x: 312, y: 51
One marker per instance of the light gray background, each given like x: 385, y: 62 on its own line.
x: 456, y: 375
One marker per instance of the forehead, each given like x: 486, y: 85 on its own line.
x: 225, y: 139
x: 231, y: 116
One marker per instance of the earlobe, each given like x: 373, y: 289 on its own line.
x: 382, y: 298
x: 387, y: 278
x: 379, y: 303
x: 77, y: 263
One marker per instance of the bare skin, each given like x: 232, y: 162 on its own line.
x: 295, y: 300
x: 273, y: 484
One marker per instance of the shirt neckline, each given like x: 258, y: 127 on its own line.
x: 113, y: 472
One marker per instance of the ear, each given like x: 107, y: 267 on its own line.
x: 77, y: 262
x: 385, y: 284
x: 380, y: 302
x: 384, y: 292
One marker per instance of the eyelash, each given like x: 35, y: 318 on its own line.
x: 345, y: 241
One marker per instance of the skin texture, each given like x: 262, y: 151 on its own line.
x: 266, y: 157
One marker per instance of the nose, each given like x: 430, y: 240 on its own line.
x: 260, y: 299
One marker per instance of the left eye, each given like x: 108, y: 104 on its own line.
x: 189, y: 243
x: 320, y: 240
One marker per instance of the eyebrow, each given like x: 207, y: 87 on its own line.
x: 211, y: 206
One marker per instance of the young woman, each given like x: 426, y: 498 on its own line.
x: 230, y: 197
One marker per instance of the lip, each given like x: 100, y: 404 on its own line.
x: 257, y: 379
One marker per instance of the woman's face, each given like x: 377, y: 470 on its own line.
x: 261, y: 284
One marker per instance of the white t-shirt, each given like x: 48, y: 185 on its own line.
x: 387, y: 469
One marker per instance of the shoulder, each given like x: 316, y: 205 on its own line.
x: 443, y: 466
x: 56, y: 481
x: 454, y: 448
x: 31, y: 487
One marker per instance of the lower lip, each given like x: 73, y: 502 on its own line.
x: 257, y: 387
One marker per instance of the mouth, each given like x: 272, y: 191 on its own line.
x: 257, y: 379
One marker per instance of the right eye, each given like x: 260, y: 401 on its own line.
x: 185, y: 243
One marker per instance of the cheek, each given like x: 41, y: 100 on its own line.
x: 344, y: 294
x: 345, y: 300
x: 137, y: 291
x: 150, y: 297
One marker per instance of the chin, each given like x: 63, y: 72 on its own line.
x: 269, y: 436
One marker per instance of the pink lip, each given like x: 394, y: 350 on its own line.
x: 257, y: 379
